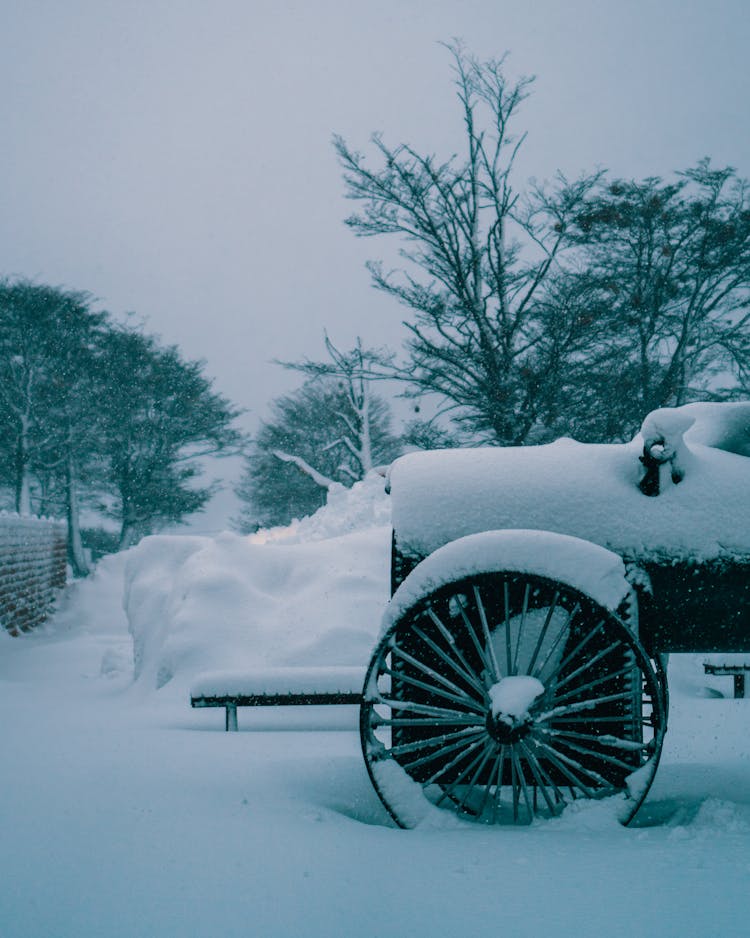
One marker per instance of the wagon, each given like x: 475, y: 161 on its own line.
x: 535, y: 594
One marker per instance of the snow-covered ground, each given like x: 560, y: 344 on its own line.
x: 126, y: 813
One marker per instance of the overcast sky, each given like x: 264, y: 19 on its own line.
x: 175, y: 160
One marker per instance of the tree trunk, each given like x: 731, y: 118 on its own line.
x: 365, y: 441
x: 130, y: 534
x: 76, y: 553
x: 22, y: 487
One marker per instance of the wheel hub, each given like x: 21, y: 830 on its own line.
x: 508, y: 719
x: 506, y: 730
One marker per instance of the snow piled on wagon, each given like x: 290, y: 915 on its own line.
x: 589, y: 491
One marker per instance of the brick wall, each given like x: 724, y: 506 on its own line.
x: 32, y: 568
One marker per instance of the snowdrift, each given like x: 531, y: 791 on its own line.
x: 311, y: 594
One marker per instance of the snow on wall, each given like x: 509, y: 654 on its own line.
x: 585, y: 490
x: 32, y: 569
x: 308, y: 595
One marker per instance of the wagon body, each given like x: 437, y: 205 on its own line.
x: 687, y: 550
x: 535, y: 591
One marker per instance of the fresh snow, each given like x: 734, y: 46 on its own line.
x: 586, y: 490
x: 126, y: 813
x: 230, y: 604
x: 512, y: 696
x: 279, y: 681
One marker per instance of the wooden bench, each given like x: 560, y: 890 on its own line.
x: 725, y: 668
x: 276, y: 687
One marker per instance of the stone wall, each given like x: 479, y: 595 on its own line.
x: 32, y: 569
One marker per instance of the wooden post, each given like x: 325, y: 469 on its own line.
x: 739, y: 686
x: 231, y: 720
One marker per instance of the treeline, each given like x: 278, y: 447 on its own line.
x: 533, y: 311
x: 100, y: 415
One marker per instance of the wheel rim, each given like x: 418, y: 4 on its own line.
x: 507, y: 696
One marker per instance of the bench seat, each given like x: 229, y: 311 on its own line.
x: 275, y: 687
x: 734, y: 665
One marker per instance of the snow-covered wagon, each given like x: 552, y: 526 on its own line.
x: 535, y: 593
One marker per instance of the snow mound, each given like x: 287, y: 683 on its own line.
x: 311, y: 594
x: 364, y: 505
x: 94, y: 604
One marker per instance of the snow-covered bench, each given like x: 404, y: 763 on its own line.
x: 734, y: 665
x: 276, y: 687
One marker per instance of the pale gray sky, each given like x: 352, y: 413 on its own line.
x: 174, y: 158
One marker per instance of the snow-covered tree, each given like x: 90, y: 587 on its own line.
x: 46, y: 336
x: 354, y: 372
x: 315, y: 438
x: 89, y: 409
x: 159, y: 415
x: 48, y: 402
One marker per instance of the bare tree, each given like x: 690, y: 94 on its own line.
x: 312, y: 441
x: 355, y: 370
x: 478, y: 256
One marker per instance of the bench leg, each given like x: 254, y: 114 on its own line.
x: 739, y: 686
x: 231, y: 719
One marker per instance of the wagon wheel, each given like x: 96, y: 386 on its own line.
x: 506, y: 696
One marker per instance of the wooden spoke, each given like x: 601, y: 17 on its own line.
x: 455, y: 761
x: 478, y: 763
x: 454, y: 665
x: 401, y: 722
x: 506, y: 602
x: 486, y: 633
x: 431, y: 672
x: 543, y: 632
x: 558, y: 639
x: 580, y: 705
x: 496, y: 768
x: 596, y: 754
x: 481, y: 652
x: 467, y: 702
x: 524, y: 610
x: 539, y: 775
x: 576, y: 652
x: 427, y: 709
x: 614, y: 742
x: 565, y: 765
x: 584, y: 688
x: 430, y: 741
x: 488, y: 751
x: 520, y: 785
x: 450, y: 640
x: 590, y: 662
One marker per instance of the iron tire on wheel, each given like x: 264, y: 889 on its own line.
x: 505, y: 696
